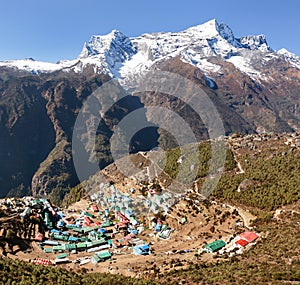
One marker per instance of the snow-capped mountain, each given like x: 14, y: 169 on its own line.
x: 123, y: 57
x: 253, y: 87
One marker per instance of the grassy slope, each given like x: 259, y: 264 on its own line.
x: 24, y: 273
x: 273, y: 181
x: 273, y: 176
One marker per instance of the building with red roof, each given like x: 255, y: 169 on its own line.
x: 94, y: 208
x: 241, y: 242
x: 87, y: 220
x: 42, y: 261
x: 249, y: 236
x: 39, y: 237
x: 121, y: 217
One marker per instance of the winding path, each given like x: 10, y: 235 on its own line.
x: 246, y: 216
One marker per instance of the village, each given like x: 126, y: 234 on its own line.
x: 109, y: 228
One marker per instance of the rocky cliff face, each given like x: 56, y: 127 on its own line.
x: 26, y: 133
x: 37, y: 115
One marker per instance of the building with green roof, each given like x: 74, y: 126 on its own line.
x: 81, y: 246
x: 104, y: 254
x: 101, y: 256
x: 48, y: 250
x: 88, y: 214
x: 95, y: 259
x: 60, y: 237
x: 58, y: 248
x: 69, y: 247
x: 87, y: 230
x: 215, y: 246
x: 106, y: 224
x: 60, y: 256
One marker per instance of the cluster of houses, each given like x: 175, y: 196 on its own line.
x: 104, y: 232
x: 99, y: 232
x: 107, y: 226
x: 94, y: 231
x: 110, y: 198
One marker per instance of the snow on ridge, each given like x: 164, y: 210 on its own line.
x: 243, y: 64
x: 206, y: 30
x: 284, y: 51
x: 289, y: 56
x: 31, y: 65
x: 258, y: 42
x: 123, y: 57
x: 194, y: 46
x: 191, y: 57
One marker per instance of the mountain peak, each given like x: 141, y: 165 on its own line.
x: 287, y: 53
x: 255, y: 42
x: 103, y: 43
x: 291, y: 57
x: 108, y: 51
x: 212, y: 29
x: 207, y: 29
x: 121, y: 56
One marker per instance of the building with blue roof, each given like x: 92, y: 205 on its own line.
x: 142, y: 249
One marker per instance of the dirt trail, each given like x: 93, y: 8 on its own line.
x: 278, y: 212
x: 241, y: 170
x: 247, y: 216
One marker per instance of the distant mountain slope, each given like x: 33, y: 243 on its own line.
x: 253, y: 87
x: 36, y: 116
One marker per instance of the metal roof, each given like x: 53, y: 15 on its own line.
x: 215, y: 245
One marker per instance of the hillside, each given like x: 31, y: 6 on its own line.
x: 23, y: 273
x: 257, y: 192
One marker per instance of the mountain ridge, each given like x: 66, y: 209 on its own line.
x: 109, y: 52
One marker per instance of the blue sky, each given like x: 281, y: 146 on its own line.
x: 56, y: 29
